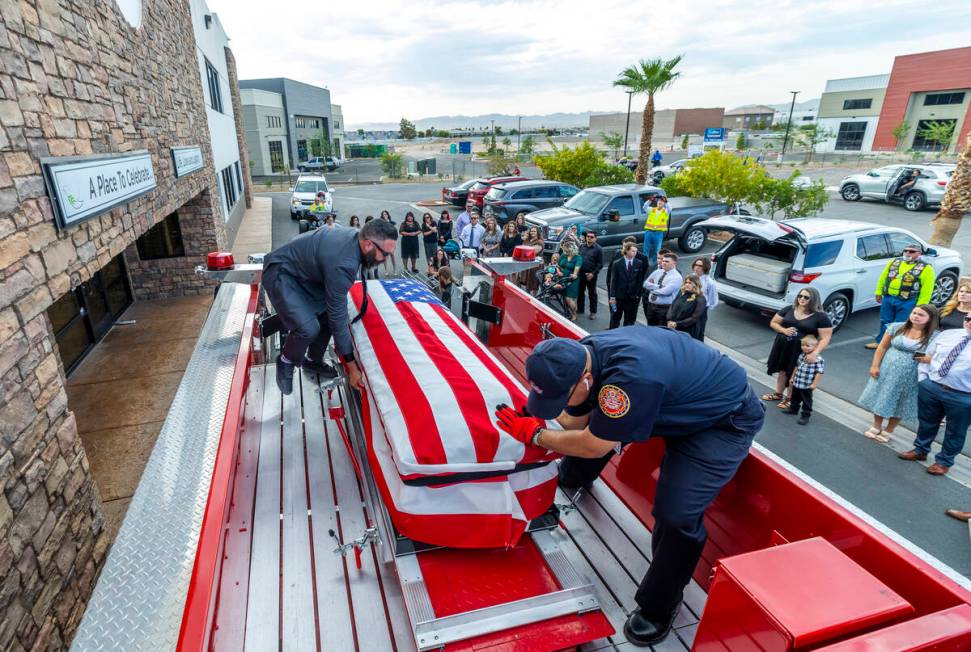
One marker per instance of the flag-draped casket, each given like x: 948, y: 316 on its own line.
x: 447, y: 474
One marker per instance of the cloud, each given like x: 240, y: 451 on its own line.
x: 384, y: 59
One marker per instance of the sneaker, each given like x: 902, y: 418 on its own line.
x: 803, y: 419
x: 324, y: 370
x: 284, y: 376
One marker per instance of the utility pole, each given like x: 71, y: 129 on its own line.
x: 785, y: 140
x: 519, y: 133
x: 630, y: 94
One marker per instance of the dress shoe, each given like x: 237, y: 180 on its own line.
x: 284, y: 376
x: 937, y: 469
x: 641, y: 631
x: 958, y: 514
x: 593, y: 316
x: 913, y: 456
x: 803, y: 419
x: 790, y: 411
x: 325, y: 371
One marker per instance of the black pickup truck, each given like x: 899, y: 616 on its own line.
x: 615, y: 212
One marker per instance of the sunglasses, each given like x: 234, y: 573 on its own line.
x: 911, y: 251
x: 804, y: 296
x: 379, y: 248
x: 967, y: 318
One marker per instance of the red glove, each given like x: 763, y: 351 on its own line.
x: 520, y: 427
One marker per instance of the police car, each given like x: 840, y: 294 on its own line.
x: 766, y: 263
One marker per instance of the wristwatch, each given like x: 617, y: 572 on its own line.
x: 534, y: 440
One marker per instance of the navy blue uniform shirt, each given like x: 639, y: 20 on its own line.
x: 656, y: 381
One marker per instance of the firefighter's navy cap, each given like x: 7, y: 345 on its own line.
x: 553, y: 368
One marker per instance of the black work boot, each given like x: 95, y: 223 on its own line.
x: 284, y: 375
x: 642, y: 631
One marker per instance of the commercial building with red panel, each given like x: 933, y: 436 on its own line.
x: 925, y: 88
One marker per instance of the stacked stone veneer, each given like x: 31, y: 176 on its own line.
x: 240, y: 129
x: 76, y: 78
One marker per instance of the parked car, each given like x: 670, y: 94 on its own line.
x: 305, y: 190
x: 629, y: 163
x: 319, y: 163
x: 658, y: 172
x: 615, y: 212
x: 766, y: 263
x: 884, y: 183
x: 506, y: 201
x: 458, y: 195
x: 481, y: 187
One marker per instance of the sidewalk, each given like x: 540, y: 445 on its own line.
x: 255, y: 230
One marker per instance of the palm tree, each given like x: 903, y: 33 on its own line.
x: 649, y: 76
x: 956, y: 202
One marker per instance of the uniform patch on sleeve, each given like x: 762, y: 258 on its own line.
x: 614, y: 402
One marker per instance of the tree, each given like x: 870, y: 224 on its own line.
x: 506, y: 143
x: 740, y: 142
x: 499, y: 165
x: 360, y: 133
x: 393, y: 164
x: 809, y: 136
x: 957, y: 200
x: 407, y: 129
x: 684, y: 142
x: 582, y: 166
x: 727, y: 178
x: 613, y: 140
x: 527, y: 145
x: 320, y: 144
x: 498, y: 130
x: 650, y: 76
x: 940, y: 132
x: 900, y: 134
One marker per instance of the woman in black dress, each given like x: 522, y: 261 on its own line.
x: 511, y: 239
x: 410, y: 231
x: 429, y: 235
x: 444, y: 228
x: 688, y: 307
x: 438, y: 261
x: 804, y: 317
x: 521, y: 225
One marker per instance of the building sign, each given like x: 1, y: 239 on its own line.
x: 82, y: 187
x: 186, y: 160
x: 715, y: 134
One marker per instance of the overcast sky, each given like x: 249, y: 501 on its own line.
x: 387, y: 59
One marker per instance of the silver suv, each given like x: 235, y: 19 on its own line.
x: 891, y: 184
x: 766, y: 264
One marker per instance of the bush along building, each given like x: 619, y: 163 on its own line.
x: 122, y: 163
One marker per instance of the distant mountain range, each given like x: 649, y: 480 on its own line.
x: 507, y: 122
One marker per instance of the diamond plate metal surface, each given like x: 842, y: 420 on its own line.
x: 140, y: 596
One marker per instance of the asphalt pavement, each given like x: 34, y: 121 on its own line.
x: 899, y: 494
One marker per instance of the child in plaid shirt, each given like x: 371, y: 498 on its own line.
x: 804, y: 380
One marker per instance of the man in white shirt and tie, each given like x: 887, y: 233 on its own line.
x: 944, y: 391
x: 662, y: 286
x: 472, y: 234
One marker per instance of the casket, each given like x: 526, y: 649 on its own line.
x: 448, y: 476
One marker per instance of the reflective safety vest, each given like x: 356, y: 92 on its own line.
x: 909, y: 282
x: 657, y: 220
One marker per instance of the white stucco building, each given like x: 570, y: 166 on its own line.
x: 211, y: 44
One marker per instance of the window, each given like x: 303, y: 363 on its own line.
x: 310, y: 186
x: 808, y: 118
x: 624, y: 205
x: 276, y: 155
x: 239, y: 177
x: 937, y: 99
x: 307, y: 123
x: 924, y: 144
x: 647, y: 196
x: 212, y: 77
x: 900, y: 240
x: 567, y: 191
x: 301, y: 150
x: 546, y: 192
x: 164, y: 240
x: 274, y: 121
x: 850, y: 136
x: 229, y: 187
x: 849, y: 105
x: 873, y: 247
x: 822, y: 253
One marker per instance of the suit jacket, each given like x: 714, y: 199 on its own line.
x: 617, y: 256
x: 624, y: 284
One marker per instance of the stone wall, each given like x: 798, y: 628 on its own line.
x: 76, y: 78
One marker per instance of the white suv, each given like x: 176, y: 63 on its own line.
x: 766, y: 263
x: 304, y: 192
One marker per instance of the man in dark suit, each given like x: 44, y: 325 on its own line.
x: 645, y: 267
x: 626, y: 276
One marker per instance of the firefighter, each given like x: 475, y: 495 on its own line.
x: 627, y: 385
x: 307, y: 281
x: 906, y: 281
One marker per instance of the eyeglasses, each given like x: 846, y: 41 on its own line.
x: 967, y: 318
x: 381, y: 249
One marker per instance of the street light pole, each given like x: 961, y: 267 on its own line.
x: 630, y: 94
x: 785, y: 141
x: 519, y: 134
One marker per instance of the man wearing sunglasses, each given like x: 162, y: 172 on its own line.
x: 307, y: 281
x: 906, y: 281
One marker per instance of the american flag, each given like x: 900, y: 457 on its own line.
x: 434, y: 384
x: 431, y: 389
